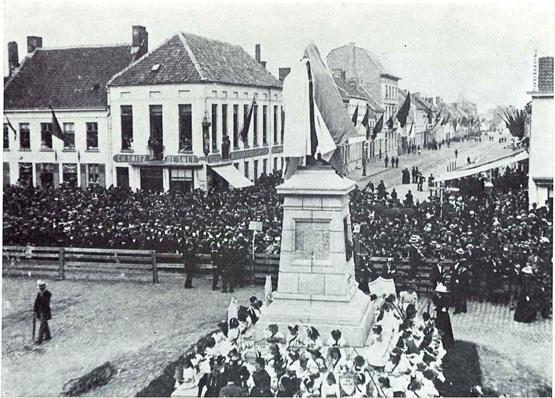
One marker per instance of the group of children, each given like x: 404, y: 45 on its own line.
x: 403, y: 357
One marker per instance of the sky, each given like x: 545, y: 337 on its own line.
x: 482, y: 52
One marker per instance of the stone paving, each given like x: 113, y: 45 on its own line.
x: 492, y: 326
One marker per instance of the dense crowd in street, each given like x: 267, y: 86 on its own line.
x: 403, y: 358
x: 496, y: 231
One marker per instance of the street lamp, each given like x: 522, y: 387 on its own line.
x: 364, y: 157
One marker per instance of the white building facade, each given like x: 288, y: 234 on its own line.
x: 540, y: 174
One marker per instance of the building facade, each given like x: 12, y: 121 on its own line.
x: 540, y: 174
x: 365, y: 68
x: 179, y: 127
x: 72, y: 81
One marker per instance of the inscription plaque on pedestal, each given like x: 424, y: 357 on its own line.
x: 312, y: 239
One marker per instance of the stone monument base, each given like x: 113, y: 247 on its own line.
x: 353, y: 315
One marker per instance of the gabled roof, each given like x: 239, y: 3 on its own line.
x: 420, y: 103
x: 188, y: 58
x: 65, y: 78
x: 374, y: 105
x: 348, y: 90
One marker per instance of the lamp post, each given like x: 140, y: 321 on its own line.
x: 364, y: 157
x: 205, y: 133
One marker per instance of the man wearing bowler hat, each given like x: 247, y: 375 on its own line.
x: 41, y: 311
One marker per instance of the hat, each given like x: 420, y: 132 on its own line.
x: 414, y: 239
x: 40, y: 282
x: 459, y: 251
x: 440, y: 288
x: 470, y: 246
x: 527, y: 270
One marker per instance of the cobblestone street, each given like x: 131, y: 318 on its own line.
x: 492, y: 327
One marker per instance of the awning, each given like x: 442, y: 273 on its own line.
x: 505, y: 161
x: 232, y: 176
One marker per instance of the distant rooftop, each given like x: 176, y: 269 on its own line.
x: 188, y: 58
x: 66, y: 78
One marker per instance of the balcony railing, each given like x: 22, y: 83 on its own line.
x: 156, y: 152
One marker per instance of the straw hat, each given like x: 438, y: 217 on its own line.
x: 440, y: 288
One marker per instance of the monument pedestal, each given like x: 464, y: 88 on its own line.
x: 316, y: 285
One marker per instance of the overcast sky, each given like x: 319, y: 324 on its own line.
x: 481, y: 52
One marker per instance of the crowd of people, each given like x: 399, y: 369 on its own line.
x: 403, y: 357
x: 496, y: 230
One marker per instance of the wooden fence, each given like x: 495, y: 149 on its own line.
x: 150, y: 266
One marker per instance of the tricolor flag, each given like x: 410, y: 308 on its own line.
x: 57, y: 129
x: 403, y: 112
x: 354, y: 119
x: 317, y: 123
x: 366, y: 117
x: 377, y: 128
x: 10, y: 126
x: 247, y: 122
x: 390, y: 122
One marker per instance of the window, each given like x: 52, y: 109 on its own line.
x: 236, y: 165
x: 282, y: 124
x: 156, y: 127
x: 24, y: 136
x: 275, y: 124
x: 264, y: 125
x: 214, y: 127
x: 94, y: 174
x: 246, y: 169
x: 46, y: 135
x: 275, y: 164
x: 224, y: 120
x: 69, y: 132
x: 235, y: 126
x: 245, y: 115
x: 47, y: 174
x: 185, y: 128
x: 126, y: 127
x: 92, y: 135
x: 255, y: 125
x: 69, y: 174
x: 265, y: 166
x: 26, y: 173
x: 181, y: 180
x: 6, y: 137
x: 255, y: 170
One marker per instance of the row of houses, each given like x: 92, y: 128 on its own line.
x: 171, y: 118
x: 366, y: 85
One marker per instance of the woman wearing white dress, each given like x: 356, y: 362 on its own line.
x: 330, y: 387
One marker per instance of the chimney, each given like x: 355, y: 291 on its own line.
x: 283, y: 72
x: 438, y: 100
x: 257, y: 52
x: 343, y: 75
x: 263, y: 63
x: 13, y: 56
x: 33, y: 42
x: 139, y: 41
x: 353, y: 83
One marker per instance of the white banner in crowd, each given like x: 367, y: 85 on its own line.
x: 382, y: 286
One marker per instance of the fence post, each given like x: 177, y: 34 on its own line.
x: 61, y: 264
x: 154, y: 267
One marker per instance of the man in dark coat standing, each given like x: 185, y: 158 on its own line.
x: 189, y: 260
x: 459, y: 282
x: 41, y: 311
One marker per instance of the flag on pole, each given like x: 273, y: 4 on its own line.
x: 11, y: 126
x: 354, y: 119
x: 57, y: 129
x: 411, y: 134
x: 366, y: 117
x: 247, y: 122
x: 403, y: 112
x: 390, y: 122
x: 377, y: 128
